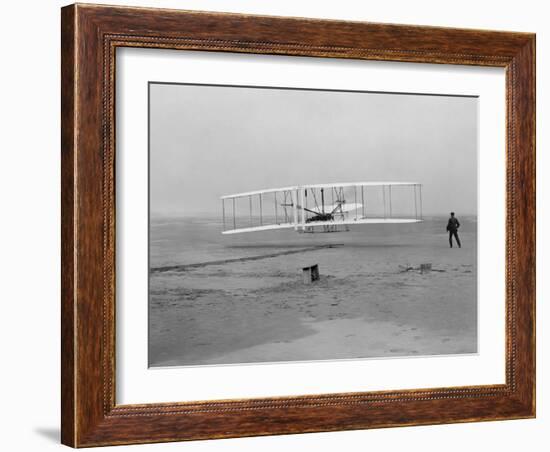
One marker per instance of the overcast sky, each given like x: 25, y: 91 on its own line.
x: 207, y: 141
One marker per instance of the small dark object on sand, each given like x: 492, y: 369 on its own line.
x: 310, y: 274
x: 407, y: 268
x: 425, y: 268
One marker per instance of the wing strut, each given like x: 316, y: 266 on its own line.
x: 415, y: 209
x: 389, y: 192
x: 384, y: 199
x: 261, y: 216
x: 275, y: 199
x: 294, y: 196
x: 355, y: 194
x: 362, y: 202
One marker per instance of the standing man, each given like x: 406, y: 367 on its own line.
x: 452, y: 226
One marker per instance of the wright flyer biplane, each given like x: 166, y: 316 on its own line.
x: 322, y: 207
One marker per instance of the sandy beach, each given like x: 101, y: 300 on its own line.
x: 226, y: 300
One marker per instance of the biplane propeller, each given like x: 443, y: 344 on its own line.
x: 304, y: 207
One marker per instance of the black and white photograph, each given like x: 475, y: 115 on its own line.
x: 294, y: 224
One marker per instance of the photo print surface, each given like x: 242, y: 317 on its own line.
x: 297, y: 225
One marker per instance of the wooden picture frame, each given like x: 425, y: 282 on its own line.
x: 90, y: 35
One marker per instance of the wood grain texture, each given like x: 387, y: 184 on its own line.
x: 67, y: 225
x: 90, y: 36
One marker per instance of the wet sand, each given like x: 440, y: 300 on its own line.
x: 365, y: 305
